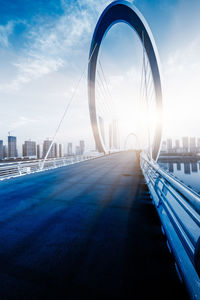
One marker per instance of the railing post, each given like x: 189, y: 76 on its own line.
x: 19, y: 169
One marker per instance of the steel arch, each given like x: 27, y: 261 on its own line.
x: 126, y: 140
x: 123, y: 11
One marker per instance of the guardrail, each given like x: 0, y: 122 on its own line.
x: 14, y: 169
x: 178, y: 208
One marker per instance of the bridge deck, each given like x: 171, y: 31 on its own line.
x: 88, y: 230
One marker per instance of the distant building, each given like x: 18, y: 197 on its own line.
x: 164, y: 146
x: 169, y: 145
x: 12, y: 146
x: 82, y: 147
x: 5, y: 151
x: 46, y: 146
x: 29, y: 149
x: 55, y: 150
x: 60, y: 151
x: 38, y: 152
x: 78, y: 150
x: 193, y: 144
x: 177, y: 146
x: 1, y: 149
x: 185, y: 142
x: 69, y: 149
x: 198, y: 145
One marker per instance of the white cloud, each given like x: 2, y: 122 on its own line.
x: 5, y: 32
x: 50, y: 45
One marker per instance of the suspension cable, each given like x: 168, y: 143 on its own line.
x: 67, y: 108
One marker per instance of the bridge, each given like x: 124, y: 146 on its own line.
x: 88, y: 230
x: 111, y: 226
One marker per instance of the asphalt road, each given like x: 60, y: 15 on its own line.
x: 85, y: 231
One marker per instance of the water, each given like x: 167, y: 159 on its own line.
x: 186, y: 170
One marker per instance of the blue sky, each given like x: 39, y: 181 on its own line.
x: 44, y: 49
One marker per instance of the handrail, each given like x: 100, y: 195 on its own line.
x: 178, y: 185
x: 178, y: 208
x: 15, y: 169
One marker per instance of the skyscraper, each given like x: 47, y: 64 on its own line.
x: 69, y: 149
x: 78, y: 150
x: 193, y: 144
x: 164, y: 146
x: 185, y: 142
x: 198, y: 145
x: 12, y: 146
x: 38, y: 152
x: 1, y: 149
x: 55, y: 150
x: 5, y: 151
x: 29, y: 149
x: 169, y: 145
x: 177, y: 144
x: 60, y: 150
x: 46, y: 146
x: 82, y: 147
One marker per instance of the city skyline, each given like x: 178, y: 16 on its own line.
x: 32, y: 149
x: 38, y: 76
x: 180, y: 145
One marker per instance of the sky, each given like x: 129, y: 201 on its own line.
x: 44, y: 48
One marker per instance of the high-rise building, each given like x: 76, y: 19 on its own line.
x: 69, y: 149
x: 193, y: 144
x: 198, y: 142
x: 82, y: 147
x: 185, y: 142
x: 46, y: 146
x: 198, y: 145
x: 29, y: 149
x: 164, y: 146
x: 55, y: 150
x: 12, y: 146
x: 1, y: 149
x: 5, y: 151
x: 115, y: 134
x: 177, y: 144
x: 38, y: 151
x: 60, y: 150
x: 78, y: 150
x: 169, y: 145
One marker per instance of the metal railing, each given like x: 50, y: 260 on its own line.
x: 178, y: 208
x: 14, y: 169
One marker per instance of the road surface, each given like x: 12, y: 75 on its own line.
x: 85, y: 231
